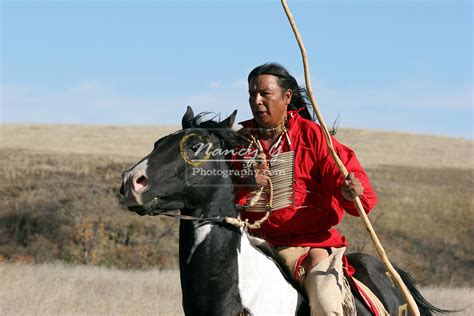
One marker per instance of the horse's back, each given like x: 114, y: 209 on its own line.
x: 371, y: 272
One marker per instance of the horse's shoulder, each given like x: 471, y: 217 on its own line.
x: 259, y: 272
x: 262, y: 245
x: 269, y: 251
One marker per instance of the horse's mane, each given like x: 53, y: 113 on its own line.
x: 229, y: 137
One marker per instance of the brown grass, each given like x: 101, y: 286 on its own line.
x: 67, y: 206
x: 422, y: 220
x: 59, y: 187
x: 374, y: 148
x: 56, y: 289
x: 378, y: 148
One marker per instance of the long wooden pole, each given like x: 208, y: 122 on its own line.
x: 393, y: 273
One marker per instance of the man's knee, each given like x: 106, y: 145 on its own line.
x: 323, y: 291
x: 323, y: 285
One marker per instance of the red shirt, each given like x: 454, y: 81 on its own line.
x: 318, y: 202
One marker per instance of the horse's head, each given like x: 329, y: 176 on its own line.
x: 184, y: 169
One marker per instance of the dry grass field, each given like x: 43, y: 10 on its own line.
x: 59, y: 186
x: 374, y: 148
x: 56, y: 289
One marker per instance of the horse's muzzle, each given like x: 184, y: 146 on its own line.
x: 146, y: 208
x: 135, y: 183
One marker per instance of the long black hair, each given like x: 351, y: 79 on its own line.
x: 299, y: 97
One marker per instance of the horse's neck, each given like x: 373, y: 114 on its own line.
x: 209, y: 269
x: 221, y: 272
x: 202, y: 241
x: 208, y: 260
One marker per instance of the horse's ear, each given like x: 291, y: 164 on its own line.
x: 188, y: 118
x: 228, y: 122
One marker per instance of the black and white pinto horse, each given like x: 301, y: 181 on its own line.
x: 222, y: 272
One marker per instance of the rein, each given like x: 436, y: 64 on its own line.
x: 189, y: 218
x: 234, y: 221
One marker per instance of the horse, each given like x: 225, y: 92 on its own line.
x: 222, y: 272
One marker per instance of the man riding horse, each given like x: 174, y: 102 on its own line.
x: 288, y: 191
x: 309, y: 196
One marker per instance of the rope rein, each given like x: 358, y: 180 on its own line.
x: 234, y: 221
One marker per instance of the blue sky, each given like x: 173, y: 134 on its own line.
x: 393, y: 65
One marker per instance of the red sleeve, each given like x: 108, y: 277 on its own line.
x: 333, y: 179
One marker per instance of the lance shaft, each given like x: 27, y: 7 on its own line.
x: 368, y: 226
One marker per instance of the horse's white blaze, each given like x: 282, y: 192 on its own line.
x: 201, y: 231
x: 141, y: 167
x: 263, y: 289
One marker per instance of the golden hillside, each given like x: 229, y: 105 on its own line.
x: 374, y: 148
x: 59, y: 187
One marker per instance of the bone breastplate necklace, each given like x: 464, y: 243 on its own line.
x: 281, y: 165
